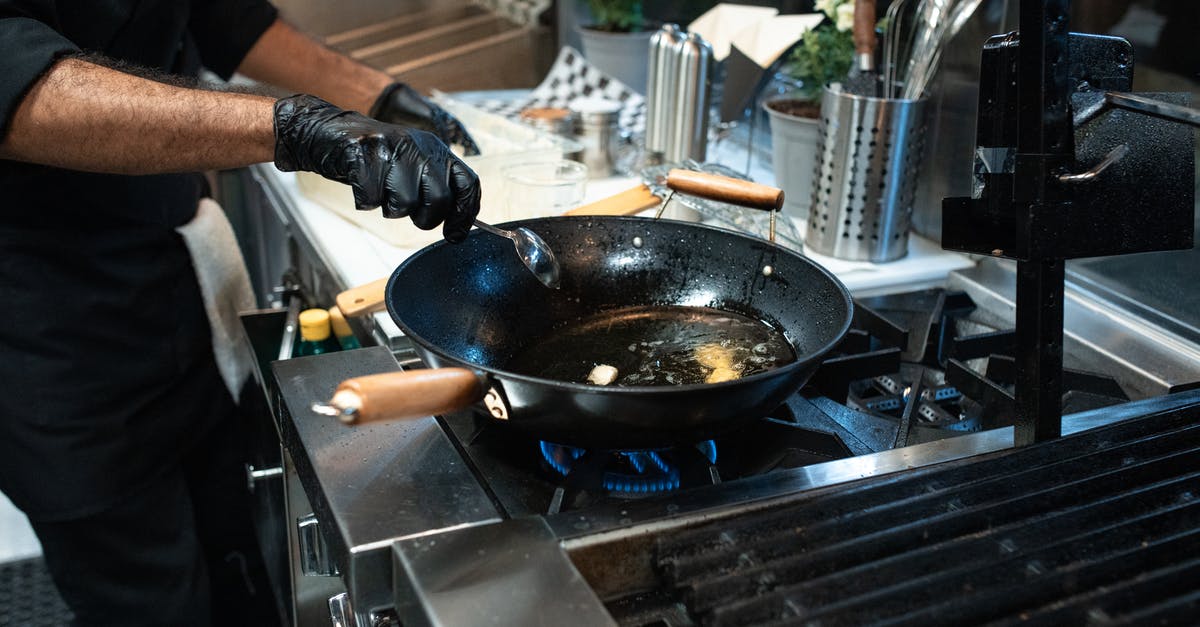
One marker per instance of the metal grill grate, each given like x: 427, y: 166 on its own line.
x: 28, y: 597
x: 1098, y: 527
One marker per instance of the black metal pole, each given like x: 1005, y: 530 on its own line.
x: 1043, y: 97
x: 1039, y: 351
x: 1045, y: 145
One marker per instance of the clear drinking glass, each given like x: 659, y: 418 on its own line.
x: 543, y: 189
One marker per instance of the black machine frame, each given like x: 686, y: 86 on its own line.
x: 1051, y: 105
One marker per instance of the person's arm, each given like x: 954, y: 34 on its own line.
x: 287, y: 58
x: 67, y: 112
x: 83, y: 116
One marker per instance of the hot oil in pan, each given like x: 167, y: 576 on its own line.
x: 657, y: 346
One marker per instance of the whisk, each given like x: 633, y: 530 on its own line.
x: 892, y: 46
x: 935, y: 22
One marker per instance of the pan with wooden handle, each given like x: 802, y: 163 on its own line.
x: 468, y: 309
x: 369, y: 297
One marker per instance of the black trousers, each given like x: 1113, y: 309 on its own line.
x: 182, y: 551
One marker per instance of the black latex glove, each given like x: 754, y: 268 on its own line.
x: 405, y: 171
x: 400, y: 104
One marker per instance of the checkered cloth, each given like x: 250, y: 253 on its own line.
x: 570, y: 79
x: 523, y: 12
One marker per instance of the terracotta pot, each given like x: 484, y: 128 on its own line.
x: 794, y: 151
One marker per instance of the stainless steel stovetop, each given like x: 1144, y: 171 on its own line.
x: 451, y: 520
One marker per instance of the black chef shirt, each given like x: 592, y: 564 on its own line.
x: 101, y: 322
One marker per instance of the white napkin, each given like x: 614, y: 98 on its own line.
x: 225, y: 287
x: 764, y: 41
x: 719, y: 24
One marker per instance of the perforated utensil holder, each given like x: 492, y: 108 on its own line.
x: 869, y: 156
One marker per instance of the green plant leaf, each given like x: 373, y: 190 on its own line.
x: 620, y: 16
x: 823, y: 56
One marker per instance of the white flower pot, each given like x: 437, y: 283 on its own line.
x: 623, y: 56
x: 794, y: 158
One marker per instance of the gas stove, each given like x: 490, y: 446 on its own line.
x: 915, y: 367
x: 924, y: 378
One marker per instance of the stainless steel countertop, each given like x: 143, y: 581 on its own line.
x: 1146, y: 358
x: 375, y: 484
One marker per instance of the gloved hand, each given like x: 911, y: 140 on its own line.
x: 406, y: 171
x: 400, y: 104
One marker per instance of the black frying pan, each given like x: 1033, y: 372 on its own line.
x: 471, y: 308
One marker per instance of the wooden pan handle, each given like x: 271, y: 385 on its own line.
x: 406, y: 395
x: 625, y: 203
x: 364, y: 299
x: 725, y: 189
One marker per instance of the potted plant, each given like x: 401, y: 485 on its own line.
x: 823, y: 55
x: 617, y: 41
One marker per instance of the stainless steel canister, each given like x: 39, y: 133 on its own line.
x: 663, y: 81
x: 689, y: 135
x: 599, y: 132
x: 553, y: 120
x: 869, y: 156
x: 560, y: 123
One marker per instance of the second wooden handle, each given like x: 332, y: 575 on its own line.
x: 407, y: 395
x: 725, y: 189
x: 363, y: 299
x: 626, y: 203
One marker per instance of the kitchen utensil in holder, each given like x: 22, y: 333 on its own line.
x: 869, y: 156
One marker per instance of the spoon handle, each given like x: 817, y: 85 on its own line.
x: 491, y: 229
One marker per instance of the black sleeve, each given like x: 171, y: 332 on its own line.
x: 225, y: 30
x: 28, y: 47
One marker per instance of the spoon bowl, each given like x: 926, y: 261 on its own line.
x: 534, y: 252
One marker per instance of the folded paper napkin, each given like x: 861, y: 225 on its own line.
x: 225, y: 287
x: 720, y: 24
x: 755, y: 52
x: 572, y: 78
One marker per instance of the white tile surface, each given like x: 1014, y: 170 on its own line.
x: 16, y: 536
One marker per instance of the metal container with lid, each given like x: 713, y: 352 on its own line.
x: 678, y: 96
x: 555, y: 120
x: 599, y: 132
x: 560, y: 124
x: 663, y: 74
x: 689, y: 134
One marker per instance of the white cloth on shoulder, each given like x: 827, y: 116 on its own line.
x: 225, y: 287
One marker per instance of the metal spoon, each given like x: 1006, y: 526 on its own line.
x: 533, y: 250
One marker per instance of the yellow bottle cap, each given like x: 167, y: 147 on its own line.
x: 314, y: 325
x: 341, y: 328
